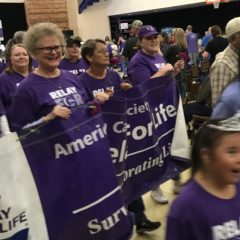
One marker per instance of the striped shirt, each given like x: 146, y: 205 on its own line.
x: 224, y: 70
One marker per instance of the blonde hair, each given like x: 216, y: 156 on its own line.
x: 180, y: 38
x: 10, y: 67
x: 39, y: 30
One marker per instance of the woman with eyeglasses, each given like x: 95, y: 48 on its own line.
x: 98, y: 78
x: 47, y: 92
x: 20, y: 65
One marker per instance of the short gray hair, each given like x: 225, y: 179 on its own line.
x: 39, y: 30
x: 136, y: 24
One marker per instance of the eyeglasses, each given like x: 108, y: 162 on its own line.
x: 57, y: 48
x: 102, y: 51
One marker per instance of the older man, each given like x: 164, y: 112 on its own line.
x: 131, y: 44
x: 226, y: 65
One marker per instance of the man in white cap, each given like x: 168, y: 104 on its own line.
x: 226, y: 66
x: 131, y: 44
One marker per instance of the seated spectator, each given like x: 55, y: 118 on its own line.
x: 203, y: 105
x: 229, y: 102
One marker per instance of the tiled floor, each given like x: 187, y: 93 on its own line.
x: 158, y: 212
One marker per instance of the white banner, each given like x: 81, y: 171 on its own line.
x: 21, y: 215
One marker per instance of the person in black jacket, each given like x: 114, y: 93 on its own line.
x: 217, y: 44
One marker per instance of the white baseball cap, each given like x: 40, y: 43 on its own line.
x: 232, y: 27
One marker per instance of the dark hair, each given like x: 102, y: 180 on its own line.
x: 216, y: 30
x: 206, y: 137
x: 73, y: 40
x: 164, y: 36
x: 107, y: 38
x: 88, y: 48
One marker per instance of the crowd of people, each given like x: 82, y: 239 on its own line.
x: 41, y: 68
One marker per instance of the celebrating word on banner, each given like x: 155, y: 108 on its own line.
x: 21, y: 215
x: 76, y: 180
x: 147, y: 134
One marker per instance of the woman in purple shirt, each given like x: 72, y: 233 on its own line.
x: 20, y: 66
x: 208, y: 207
x: 99, y: 79
x: 147, y: 62
x: 72, y: 60
x: 47, y: 92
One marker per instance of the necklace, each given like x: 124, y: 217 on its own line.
x: 53, y: 79
x: 55, y: 82
x: 45, y: 74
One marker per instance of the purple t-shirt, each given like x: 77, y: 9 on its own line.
x: 76, y: 68
x: 8, y: 87
x: 198, y: 215
x: 94, y: 85
x: 36, y: 97
x: 192, y: 40
x: 142, y: 66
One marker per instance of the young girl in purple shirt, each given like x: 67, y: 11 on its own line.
x: 208, y: 207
